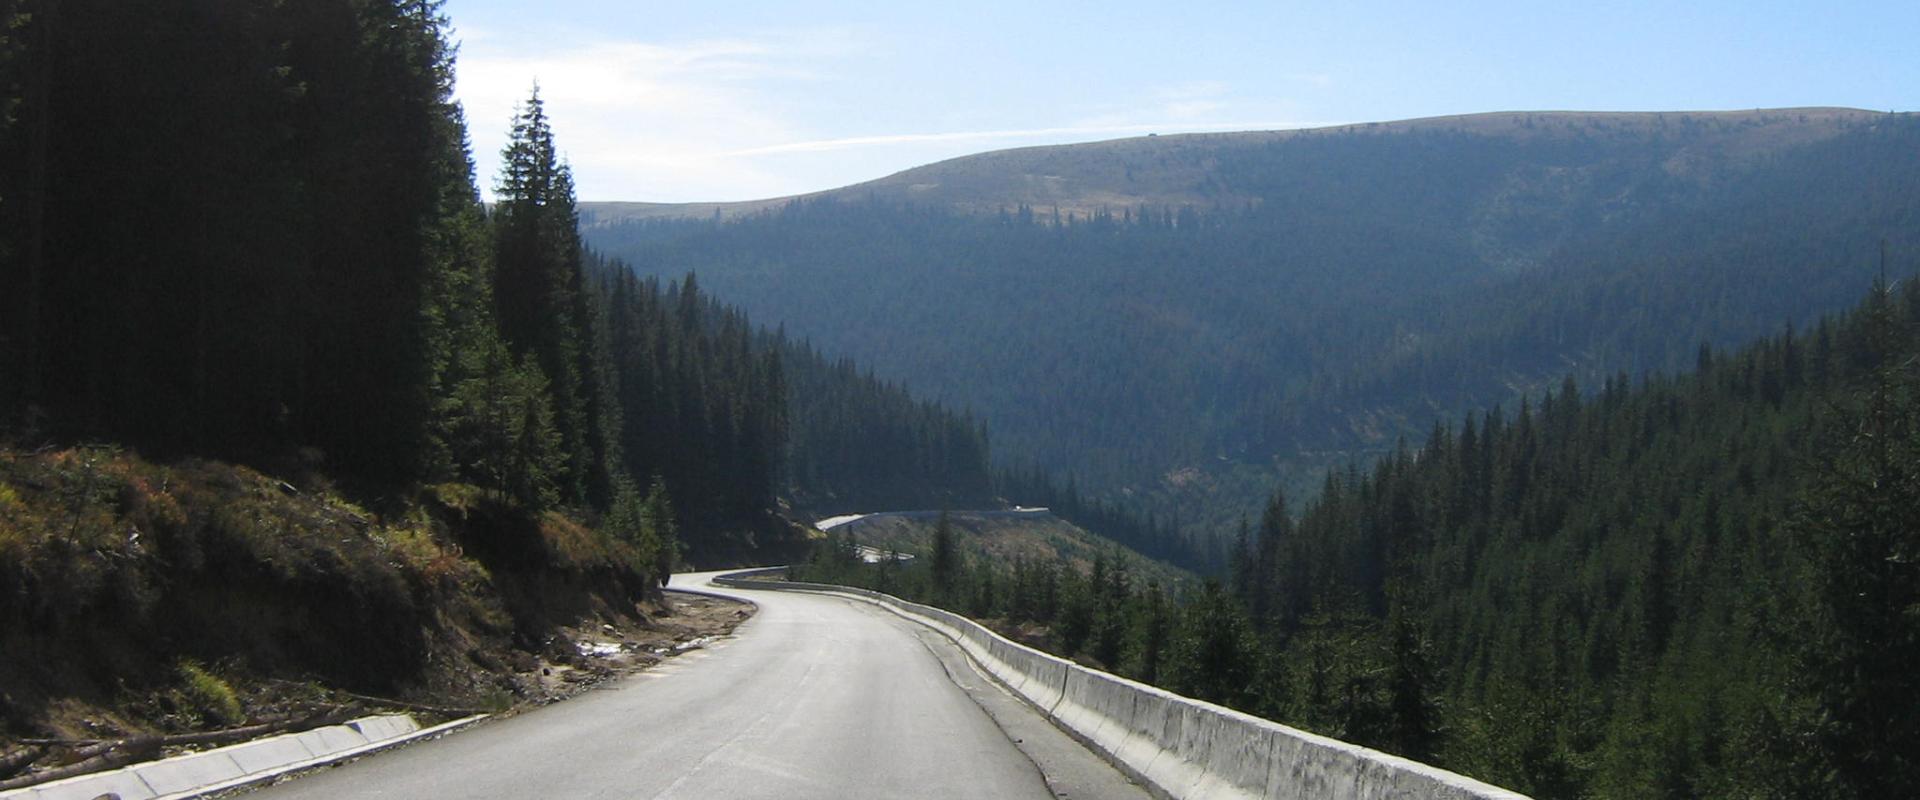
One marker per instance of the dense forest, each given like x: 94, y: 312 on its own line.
x: 1699, y: 586
x: 863, y: 444
x: 845, y: 440
x: 1343, y: 288
x: 251, y: 231
x: 1694, y: 586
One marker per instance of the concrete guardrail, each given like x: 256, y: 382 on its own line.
x: 1177, y: 746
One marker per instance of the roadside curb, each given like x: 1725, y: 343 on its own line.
x: 332, y: 758
x: 241, y: 765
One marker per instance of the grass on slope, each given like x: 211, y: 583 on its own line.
x: 136, y: 598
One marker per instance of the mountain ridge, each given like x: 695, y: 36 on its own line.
x: 1003, y: 180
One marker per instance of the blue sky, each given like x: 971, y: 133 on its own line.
x: 745, y: 99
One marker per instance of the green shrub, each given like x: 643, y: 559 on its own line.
x: 209, y: 696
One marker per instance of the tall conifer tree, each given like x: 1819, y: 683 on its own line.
x: 539, y: 292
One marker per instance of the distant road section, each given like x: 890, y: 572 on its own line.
x: 834, y: 522
x: 815, y: 697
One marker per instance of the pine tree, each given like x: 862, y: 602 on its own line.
x: 538, y: 289
x: 1860, y: 524
x: 944, y: 562
x: 1414, y: 715
x: 662, y: 529
x: 1148, y: 632
x: 1214, y: 658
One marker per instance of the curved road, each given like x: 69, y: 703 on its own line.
x: 814, y: 697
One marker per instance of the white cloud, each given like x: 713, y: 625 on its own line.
x: 720, y: 119
x: 642, y: 119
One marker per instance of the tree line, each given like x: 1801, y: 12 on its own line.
x: 861, y: 443
x: 251, y: 230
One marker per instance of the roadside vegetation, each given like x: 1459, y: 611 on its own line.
x: 148, y: 600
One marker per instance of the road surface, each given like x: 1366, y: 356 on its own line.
x: 814, y: 697
x: 1017, y: 511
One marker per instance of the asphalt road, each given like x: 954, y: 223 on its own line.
x: 814, y: 697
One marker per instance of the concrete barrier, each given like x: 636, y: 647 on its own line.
x: 331, y: 739
x: 378, y: 728
x: 228, y: 767
x: 1179, y: 747
x: 176, y: 775
x: 265, y: 754
x: 122, y: 783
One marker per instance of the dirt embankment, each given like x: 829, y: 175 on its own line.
x: 141, y: 601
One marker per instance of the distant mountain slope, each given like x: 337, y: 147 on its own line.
x: 1336, y: 290
x: 1183, y: 169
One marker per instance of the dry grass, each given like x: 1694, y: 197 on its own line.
x: 575, y: 546
x: 420, y: 547
x: 138, y: 597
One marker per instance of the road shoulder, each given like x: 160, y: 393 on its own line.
x: 1069, y: 768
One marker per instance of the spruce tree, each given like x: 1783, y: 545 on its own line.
x: 662, y: 529
x: 944, y: 562
x: 1214, y: 657
x: 1860, y: 525
x: 538, y: 286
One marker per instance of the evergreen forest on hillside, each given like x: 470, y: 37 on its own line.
x: 1691, y: 586
x: 1348, y: 287
x: 251, y: 231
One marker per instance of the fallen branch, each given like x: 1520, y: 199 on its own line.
x: 12, y: 763
x: 65, y: 742
x: 111, y: 756
x: 333, y: 716
x: 448, y: 711
x: 94, y: 748
x: 445, y: 711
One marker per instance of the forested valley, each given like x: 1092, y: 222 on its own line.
x: 1696, y: 585
x: 1281, y: 304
